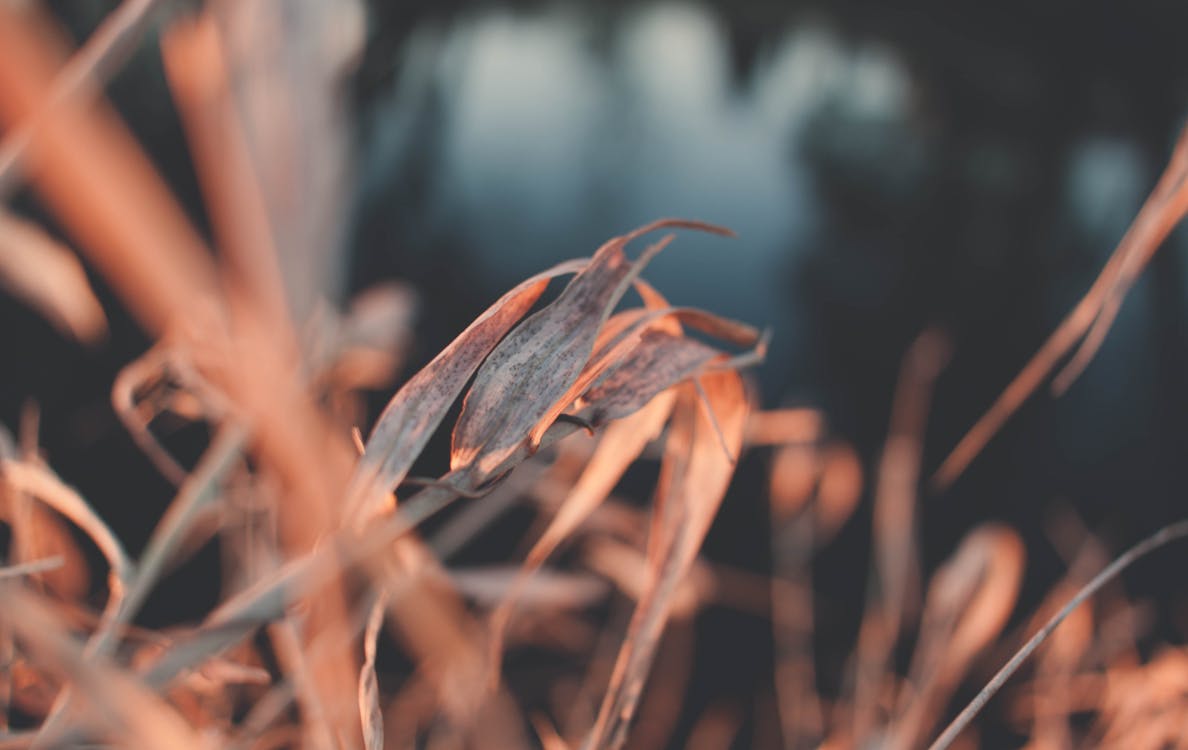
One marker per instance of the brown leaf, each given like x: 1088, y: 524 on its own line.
x: 626, y: 351
x: 39, y: 482
x: 658, y: 361
x: 91, y: 172
x: 692, y: 486
x: 117, y: 702
x: 418, y: 407
x: 620, y: 445
x: 524, y: 381
x: 968, y: 603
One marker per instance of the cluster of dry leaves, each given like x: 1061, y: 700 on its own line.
x: 325, y: 559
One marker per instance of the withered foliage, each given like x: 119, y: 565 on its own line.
x: 325, y: 559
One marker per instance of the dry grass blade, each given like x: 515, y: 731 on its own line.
x: 38, y: 269
x: 418, y: 407
x: 620, y: 445
x: 87, y: 166
x: 547, y: 733
x: 548, y: 589
x: 968, y: 603
x: 1166, y: 535
x: 808, y: 503
x: 439, y: 632
x: 84, y: 74
x: 658, y: 361
x: 290, y: 63
x: 233, y: 621
x: 123, y: 400
x: 1090, y: 319
x: 40, y: 532
x: 118, y: 703
x: 690, y: 500
x: 895, y: 583
x: 294, y: 660
x: 369, y: 701
x: 39, y: 482
x: 523, y: 384
x: 198, y: 492
x: 31, y: 567
x: 195, y: 67
x: 631, y: 571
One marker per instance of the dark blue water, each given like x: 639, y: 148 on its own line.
x: 866, y: 206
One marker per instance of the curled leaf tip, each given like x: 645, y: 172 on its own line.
x: 676, y: 223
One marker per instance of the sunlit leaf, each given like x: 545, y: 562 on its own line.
x: 418, y: 407
x: 691, y: 489
x: 526, y: 378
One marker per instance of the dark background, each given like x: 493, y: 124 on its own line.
x: 962, y: 165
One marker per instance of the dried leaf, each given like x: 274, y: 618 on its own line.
x: 41, y: 483
x: 968, y: 603
x: 116, y: 701
x: 290, y: 63
x: 198, y: 493
x: 1167, y: 534
x: 418, y: 407
x: 48, y: 276
x: 524, y: 382
x: 897, y: 567
x: 624, y: 358
x: 691, y: 495
x: 632, y: 572
x: 657, y: 362
x: 90, y: 170
x: 620, y: 445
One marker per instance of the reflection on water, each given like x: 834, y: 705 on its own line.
x: 874, y: 193
x: 560, y: 128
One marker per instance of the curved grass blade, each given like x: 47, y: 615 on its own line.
x: 1167, y: 534
x: 619, y: 447
x: 418, y: 407
x: 525, y: 381
x: 1088, y: 322
x: 692, y: 494
x: 118, y: 703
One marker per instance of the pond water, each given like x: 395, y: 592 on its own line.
x: 541, y: 134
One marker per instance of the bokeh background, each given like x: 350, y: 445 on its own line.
x: 888, y: 167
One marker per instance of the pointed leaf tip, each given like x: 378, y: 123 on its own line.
x: 528, y: 379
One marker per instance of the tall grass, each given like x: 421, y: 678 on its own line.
x: 327, y: 561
